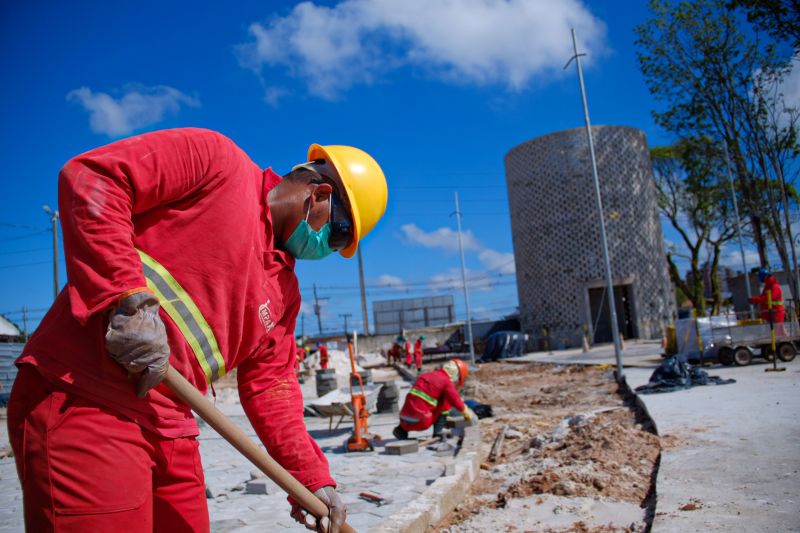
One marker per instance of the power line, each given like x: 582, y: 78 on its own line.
x: 25, y: 251
x: 18, y: 237
x: 7, y: 225
x: 25, y: 264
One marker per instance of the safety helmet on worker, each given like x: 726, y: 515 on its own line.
x: 457, y: 370
x: 763, y: 273
x: 362, y: 180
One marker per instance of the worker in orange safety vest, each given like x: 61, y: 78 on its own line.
x: 431, y: 398
x: 181, y: 252
x: 409, y: 353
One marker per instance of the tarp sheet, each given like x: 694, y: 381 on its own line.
x: 502, y: 345
x: 675, y: 373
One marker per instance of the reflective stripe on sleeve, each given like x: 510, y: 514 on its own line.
x: 180, y: 307
x: 419, y: 394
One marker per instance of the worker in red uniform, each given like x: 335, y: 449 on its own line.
x: 430, y: 399
x: 409, y: 353
x: 299, y: 357
x: 180, y: 251
x: 771, y: 293
x: 418, y: 353
x: 323, y: 356
x: 394, y: 353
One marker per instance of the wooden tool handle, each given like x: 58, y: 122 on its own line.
x: 239, y: 440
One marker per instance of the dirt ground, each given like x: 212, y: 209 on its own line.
x: 576, y: 457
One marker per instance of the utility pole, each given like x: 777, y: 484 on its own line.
x: 303, y: 325
x: 345, y: 315
x: 739, y: 228
x: 464, y: 281
x: 25, y: 323
x: 318, y: 308
x: 54, y: 220
x: 363, y: 292
x: 609, y: 280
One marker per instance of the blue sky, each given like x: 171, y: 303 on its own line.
x: 437, y: 94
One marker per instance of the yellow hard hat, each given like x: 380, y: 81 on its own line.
x: 364, y: 183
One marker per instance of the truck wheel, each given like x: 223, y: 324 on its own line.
x: 725, y: 356
x: 742, y: 356
x: 786, y: 352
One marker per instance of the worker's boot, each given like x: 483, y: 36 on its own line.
x: 400, y: 433
x: 438, y: 426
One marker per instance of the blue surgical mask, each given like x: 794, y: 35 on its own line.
x: 307, y: 243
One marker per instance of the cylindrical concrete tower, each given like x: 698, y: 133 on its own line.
x: 559, y: 258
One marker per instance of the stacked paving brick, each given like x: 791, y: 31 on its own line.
x: 556, y: 234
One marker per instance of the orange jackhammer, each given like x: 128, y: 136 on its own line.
x: 361, y: 440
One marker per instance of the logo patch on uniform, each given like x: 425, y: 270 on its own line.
x: 265, y: 316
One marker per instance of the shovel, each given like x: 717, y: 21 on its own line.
x: 239, y: 440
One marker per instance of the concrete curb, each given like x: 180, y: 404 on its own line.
x: 442, y: 496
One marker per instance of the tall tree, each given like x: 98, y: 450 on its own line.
x: 717, y: 79
x: 781, y: 18
x: 693, y: 196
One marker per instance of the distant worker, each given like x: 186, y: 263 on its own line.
x: 409, y: 353
x: 323, y: 356
x: 393, y: 355
x: 180, y: 252
x: 299, y: 357
x: 772, y: 291
x: 418, y: 353
x: 430, y: 399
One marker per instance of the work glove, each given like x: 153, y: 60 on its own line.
x: 337, y: 512
x: 137, y: 339
x: 470, y: 416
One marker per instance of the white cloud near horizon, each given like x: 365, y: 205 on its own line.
x: 391, y: 282
x: 136, y: 108
x: 446, y: 239
x: 512, y: 43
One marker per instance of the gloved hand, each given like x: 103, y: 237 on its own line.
x: 470, y: 416
x: 336, y: 517
x: 137, y: 339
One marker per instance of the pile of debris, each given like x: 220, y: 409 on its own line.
x: 563, y: 453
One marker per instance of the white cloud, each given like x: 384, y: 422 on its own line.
x: 506, y: 42
x: 452, y: 281
x: 444, y: 238
x: 497, y: 261
x: 136, y: 108
x: 389, y: 281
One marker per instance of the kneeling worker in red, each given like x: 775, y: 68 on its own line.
x: 431, y: 398
x: 180, y: 252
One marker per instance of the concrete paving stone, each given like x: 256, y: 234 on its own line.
x: 402, y: 447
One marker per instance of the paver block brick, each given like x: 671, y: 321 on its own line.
x: 402, y: 447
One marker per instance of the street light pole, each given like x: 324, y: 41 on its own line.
x: 54, y: 220
x: 738, y: 228
x: 609, y: 281
x: 464, y: 280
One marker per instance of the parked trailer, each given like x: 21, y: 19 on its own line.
x: 737, y: 343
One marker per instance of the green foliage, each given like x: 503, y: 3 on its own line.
x: 692, y: 195
x: 718, y: 82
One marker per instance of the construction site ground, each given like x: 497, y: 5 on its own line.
x: 727, y: 457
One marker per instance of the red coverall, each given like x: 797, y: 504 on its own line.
x: 408, y: 353
x: 772, y: 287
x: 394, y: 353
x: 432, y: 394
x: 91, y: 456
x: 418, y: 353
x: 323, y: 357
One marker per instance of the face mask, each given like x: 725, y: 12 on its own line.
x: 307, y: 243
